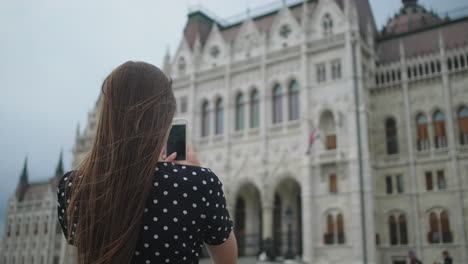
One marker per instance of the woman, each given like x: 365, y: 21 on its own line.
x: 129, y: 205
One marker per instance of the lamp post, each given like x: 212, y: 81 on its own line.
x: 289, y: 218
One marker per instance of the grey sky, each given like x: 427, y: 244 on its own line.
x: 54, y: 55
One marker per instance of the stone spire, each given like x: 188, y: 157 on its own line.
x: 167, y: 62
x: 78, y: 130
x: 23, y: 182
x: 59, y: 170
x: 305, y: 15
x: 24, y: 174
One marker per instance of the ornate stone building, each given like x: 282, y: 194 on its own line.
x: 389, y: 171
x: 32, y: 233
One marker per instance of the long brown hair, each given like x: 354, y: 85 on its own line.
x: 112, y: 184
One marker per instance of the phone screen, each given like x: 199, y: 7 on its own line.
x: 177, y: 141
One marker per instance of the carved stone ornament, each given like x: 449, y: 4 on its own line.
x: 214, y: 51
x: 285, y: 30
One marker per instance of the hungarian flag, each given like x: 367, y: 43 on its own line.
x: 312, y: 138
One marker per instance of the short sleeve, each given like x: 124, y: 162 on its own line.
x: 62, y: 200
x: 218, y: 224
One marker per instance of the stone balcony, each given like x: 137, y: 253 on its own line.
x: 329, y: 156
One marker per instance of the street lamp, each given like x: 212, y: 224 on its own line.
x: 289, y: 218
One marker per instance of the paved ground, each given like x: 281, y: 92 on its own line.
x: 241, y: 261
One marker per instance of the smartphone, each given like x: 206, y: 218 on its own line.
x: 177, y: 141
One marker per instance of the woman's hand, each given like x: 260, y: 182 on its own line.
x: 191, y: 158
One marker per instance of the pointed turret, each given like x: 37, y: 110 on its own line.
x: 77, y: 130
x: 23, y: 182
x: 167, y: 62
x: 59, y: 170
x: 304, y: 21
x: 24, y: 174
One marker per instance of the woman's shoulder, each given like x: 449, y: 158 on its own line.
x: 65, y: 180
x: 190, y: 173
x: 67, y: 176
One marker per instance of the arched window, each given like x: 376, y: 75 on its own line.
x: 330, y: 235
x: 423, y: 135
x: 341, y: 233
x: 36, y: 227
x: 403, y: 230
x: 463, y: 125
x: 219, y: 112
x: 254, y: 109
x: 17, y: 230
x: 240, y: 111
x: 333, y: 184
x: 391, y: 136
x: 335, y: 233
x: 293, y: 101
x: 328, y: 128
x: 277, y: 105
x: 434, y: 235
x: 205, y: 119
x: 392, y: 224
x: 445, y: 227
x: 9, y: 230
x: 439, y: 129
x: 327, y: 25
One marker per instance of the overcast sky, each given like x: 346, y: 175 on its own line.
x: 54, y: 55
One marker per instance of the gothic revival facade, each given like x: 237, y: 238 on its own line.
x: 389, y: 171
x: 335, y: 142
x: 32, y: 234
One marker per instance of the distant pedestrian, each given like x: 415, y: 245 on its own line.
x: 413, y: 258
x: 447, y: 258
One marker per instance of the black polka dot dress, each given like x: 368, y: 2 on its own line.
x: 186, y: 209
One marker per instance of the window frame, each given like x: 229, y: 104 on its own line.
x: 440, y: 132
x: 240, y: 112
x: 422, y: 132
x: 219, y: 116
x: 462, y: 118
x: 293, y: 100
x: 205, y: 127
x: 277, y: 104
x: 391, y: 136
x: 254, y: 109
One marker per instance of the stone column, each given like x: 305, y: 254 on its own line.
x: 267, y: 218
x: 415, y: 216
x: 306, y: 128
x: 459, y: 213
x: 307, y: 223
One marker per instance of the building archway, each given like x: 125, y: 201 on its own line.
x: 287, y: 218
x: 248, y: 220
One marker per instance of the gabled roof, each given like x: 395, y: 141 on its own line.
x: 200, y: 23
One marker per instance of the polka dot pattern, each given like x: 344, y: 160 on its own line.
x: 185, y: 210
